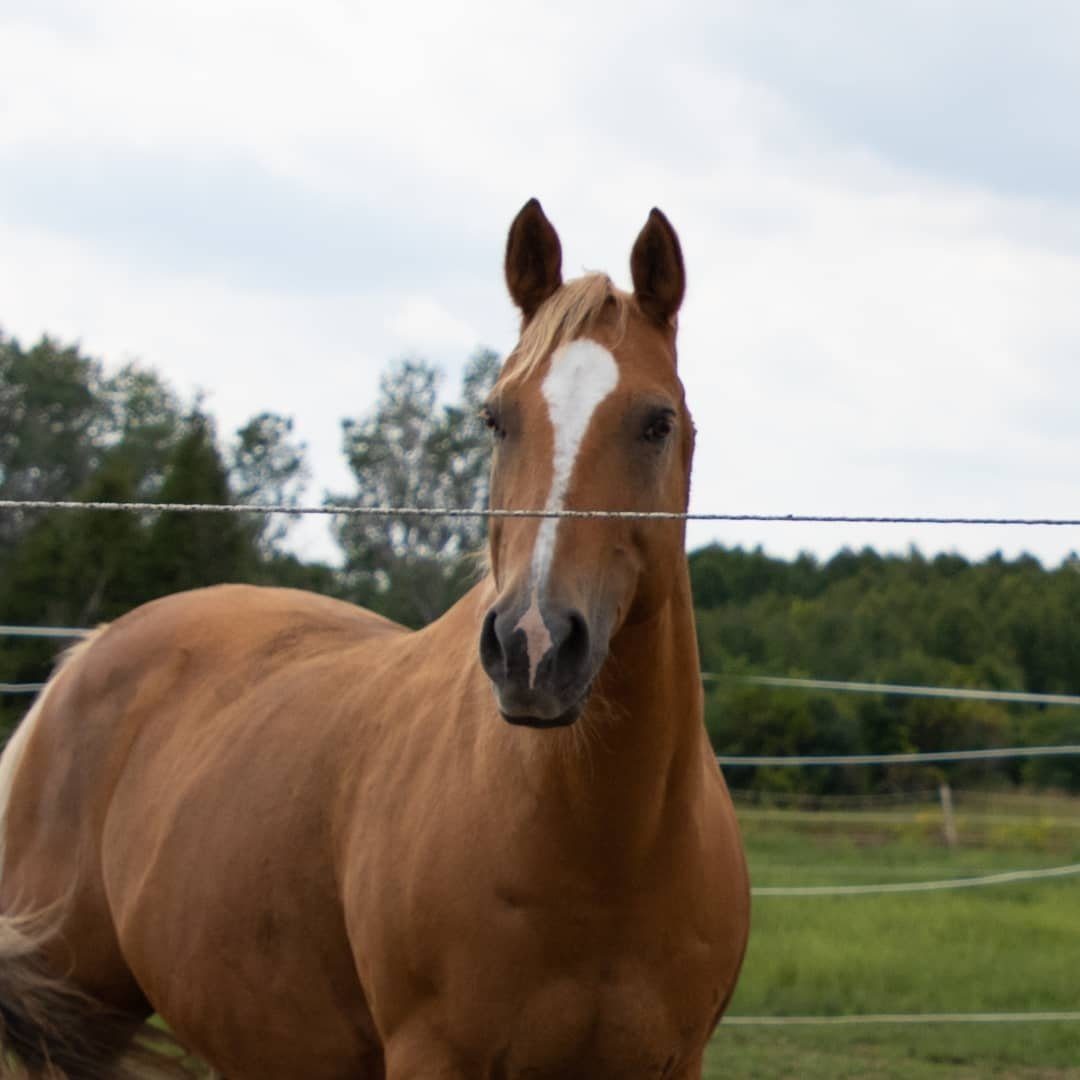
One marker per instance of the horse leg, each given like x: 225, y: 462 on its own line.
x: 421, y: 1055
x: 692, y: 1070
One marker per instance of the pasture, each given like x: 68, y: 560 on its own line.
x: 1003, y: 948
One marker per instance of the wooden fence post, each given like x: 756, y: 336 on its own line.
x: 948, y: 819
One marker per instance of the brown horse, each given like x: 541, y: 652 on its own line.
x: 322, y: 846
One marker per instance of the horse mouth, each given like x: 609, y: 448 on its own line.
x: 540, y: 722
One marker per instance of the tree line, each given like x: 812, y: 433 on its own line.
x: 71, y: 430
x: 998, y: 624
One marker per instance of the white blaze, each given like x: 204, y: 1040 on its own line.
x: 582, y: 374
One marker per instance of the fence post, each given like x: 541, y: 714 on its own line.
x: 948, y: 819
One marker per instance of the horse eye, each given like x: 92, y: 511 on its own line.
x: 659, y: 427
x: 491, y: 422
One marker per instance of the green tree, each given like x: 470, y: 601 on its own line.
x: 71, y: 568
x: 998, y: 624
x: 80, y: 567
x: 52, y: 419
x: 146, y: 420
x: 267, y: 466
x: 68, y: 431
x: 188, y: 550
x: 411, y: 452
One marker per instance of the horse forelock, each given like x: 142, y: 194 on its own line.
x: 574, y: 310
x: 12, y: 754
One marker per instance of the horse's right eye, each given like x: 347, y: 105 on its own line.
x: 660, y: 426
x: 491, y: 422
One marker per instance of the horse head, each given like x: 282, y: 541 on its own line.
x: 588, y: 413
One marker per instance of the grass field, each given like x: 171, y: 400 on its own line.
x: 1003, y: 948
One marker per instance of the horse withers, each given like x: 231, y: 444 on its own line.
x: 322, y: 846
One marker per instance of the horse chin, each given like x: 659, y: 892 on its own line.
x: 541, y: 723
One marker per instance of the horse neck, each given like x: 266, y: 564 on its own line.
x: 650, y: 703
x: 613, y: 781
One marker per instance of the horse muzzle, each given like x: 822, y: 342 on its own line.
x: 541, y: 660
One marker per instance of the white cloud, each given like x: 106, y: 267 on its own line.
x: 424, y: 326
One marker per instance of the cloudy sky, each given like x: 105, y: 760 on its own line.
x: 879, y: 205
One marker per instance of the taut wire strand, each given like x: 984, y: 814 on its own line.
x: 907, y: 1018
x: 920, y: 757
x: 965, y: 693
x: 1008, y: 878
x: 451, y: 512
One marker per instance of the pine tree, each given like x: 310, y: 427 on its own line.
x: 187, y: 550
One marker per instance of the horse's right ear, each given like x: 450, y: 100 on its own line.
x: 533, y: 259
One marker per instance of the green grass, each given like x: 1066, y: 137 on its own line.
x: 923, y: 1053
x: 1007, y: 948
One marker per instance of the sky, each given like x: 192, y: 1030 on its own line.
x: 879, y: 205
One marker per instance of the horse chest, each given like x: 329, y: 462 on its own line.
x: 536, y: 993
x: 538, y: 967
x: 569, y: 1027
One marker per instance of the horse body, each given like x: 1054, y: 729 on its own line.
x: 146, y: 741
x: 319, y: 845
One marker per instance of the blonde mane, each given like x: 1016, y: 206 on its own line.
x: 570, y: 312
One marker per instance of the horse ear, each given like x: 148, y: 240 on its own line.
x: 656, y: 267
x: 533, y: 259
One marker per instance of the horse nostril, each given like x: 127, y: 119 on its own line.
x: 574, y: 648
x: 492, y: 656
x: 535, y: 653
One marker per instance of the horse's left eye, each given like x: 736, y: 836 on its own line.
x: 659, y: 427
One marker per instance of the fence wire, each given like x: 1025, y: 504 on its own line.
x: 43, y: 631
x: 996, y: 753
x: 763, y: 760
x: 780, y: 682
x: 333, y: 510
x: 907, y: 1018
x: 1009, y: 877
x: 863, y: 759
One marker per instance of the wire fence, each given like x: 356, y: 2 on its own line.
x: 997, y: 753
x: 769, y: 760
x: 841, y: 801
x: 1009, y: 877
x: 962, y: 693
x: 928, y: 757
x: 43, y: 631
x: 59, y: 632
x: 344, y: 510
x: 805, y: 891
x: 776, y: 681
x: 906, y: 1018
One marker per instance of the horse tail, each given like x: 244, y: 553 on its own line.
x: 51, y: 1029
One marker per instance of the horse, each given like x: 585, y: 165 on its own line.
x: 320, y: 845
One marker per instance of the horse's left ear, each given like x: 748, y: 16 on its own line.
x: 656, y: 266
